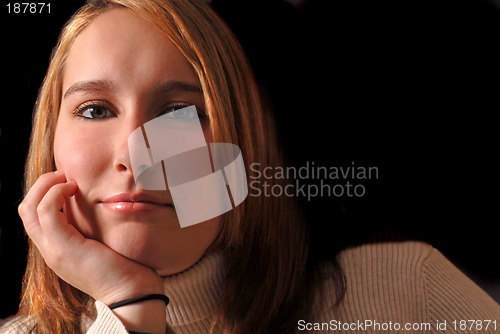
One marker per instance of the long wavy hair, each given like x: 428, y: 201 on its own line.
x: 270, y: 278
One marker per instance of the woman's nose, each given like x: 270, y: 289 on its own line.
x: 122, y: 159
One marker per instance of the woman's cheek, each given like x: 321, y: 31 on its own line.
x: 81, y: 164
x: 81, y: 159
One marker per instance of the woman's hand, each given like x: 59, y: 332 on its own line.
x: 86, y: 264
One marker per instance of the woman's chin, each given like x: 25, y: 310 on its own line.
x: 164, y: 247
x: 140, y: 245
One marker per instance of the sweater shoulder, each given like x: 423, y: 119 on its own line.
x: 408, y: 256
x: 379, y: 280
x: 404, y: 282
x: 17, y: 324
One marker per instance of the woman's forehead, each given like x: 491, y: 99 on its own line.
x: 123, y: 48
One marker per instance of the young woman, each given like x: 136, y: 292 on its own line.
x: 98, y: 239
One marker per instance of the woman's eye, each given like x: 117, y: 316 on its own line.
x: 182, y: 112
x: 95, y: 112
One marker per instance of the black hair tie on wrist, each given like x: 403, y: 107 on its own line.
x: 140, y: 299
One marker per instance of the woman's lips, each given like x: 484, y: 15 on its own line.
x: 135, y: 203
x: 131, y: 207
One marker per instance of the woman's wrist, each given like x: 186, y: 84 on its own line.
x: 148, y: 316
x: 138, y: 314
x: 134, y: 288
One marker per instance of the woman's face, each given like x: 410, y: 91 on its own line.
x: 120, y: 73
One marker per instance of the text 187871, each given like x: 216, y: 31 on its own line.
x: 28, y: 7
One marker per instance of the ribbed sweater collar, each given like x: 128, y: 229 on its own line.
x: 194, y: 295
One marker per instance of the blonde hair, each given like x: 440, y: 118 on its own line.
x: 264, y: 241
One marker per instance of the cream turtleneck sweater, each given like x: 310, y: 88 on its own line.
x: 193, y: 298
x: 388, y: 284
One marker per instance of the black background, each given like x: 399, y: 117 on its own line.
x: 410, y: 87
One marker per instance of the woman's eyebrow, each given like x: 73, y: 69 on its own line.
x: 176, y: 86
x: 87, y: 86
x: 102, y: 85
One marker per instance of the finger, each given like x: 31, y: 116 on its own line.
x: 28, y: 207
x: 52, y: 221
x: 54, y: 237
